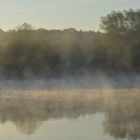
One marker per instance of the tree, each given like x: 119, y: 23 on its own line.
x: 25, y: 26
x: 121, y: 23
x: 122, y: 33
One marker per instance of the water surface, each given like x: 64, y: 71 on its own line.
x: 110, y: 115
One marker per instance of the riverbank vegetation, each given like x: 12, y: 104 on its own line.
x: 26, y: 52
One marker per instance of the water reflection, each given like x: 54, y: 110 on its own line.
x: 27, y: 115
x: 122, y: 118
x: 120, y: 108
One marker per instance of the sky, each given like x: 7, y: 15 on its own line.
x: 60, y: 14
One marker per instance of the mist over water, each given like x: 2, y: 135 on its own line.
x: 74, y: 82
x: 69, y: 84
x: 101, y: 106
x: 99, y: 114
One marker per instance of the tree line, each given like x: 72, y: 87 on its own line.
x: 27, y: 52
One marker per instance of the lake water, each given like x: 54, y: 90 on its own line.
x: 112, y: 115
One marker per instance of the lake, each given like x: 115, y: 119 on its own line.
x: 79, y: 114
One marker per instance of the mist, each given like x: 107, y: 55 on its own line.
x: 30, y: 53
x: 71, y: 84
x: 98, y: 81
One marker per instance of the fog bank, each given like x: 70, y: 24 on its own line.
x: 74, y: 82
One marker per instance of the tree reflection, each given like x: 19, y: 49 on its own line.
x: 123, y: 116
x: 121, y: 109
x: 28, y: 114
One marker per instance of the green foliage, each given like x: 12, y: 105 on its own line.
x: 26, y: 52
x: 122, y: 38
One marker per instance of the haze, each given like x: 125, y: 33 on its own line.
x: 60, y: 14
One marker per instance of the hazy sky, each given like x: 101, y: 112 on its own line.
x: 60, y: 14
